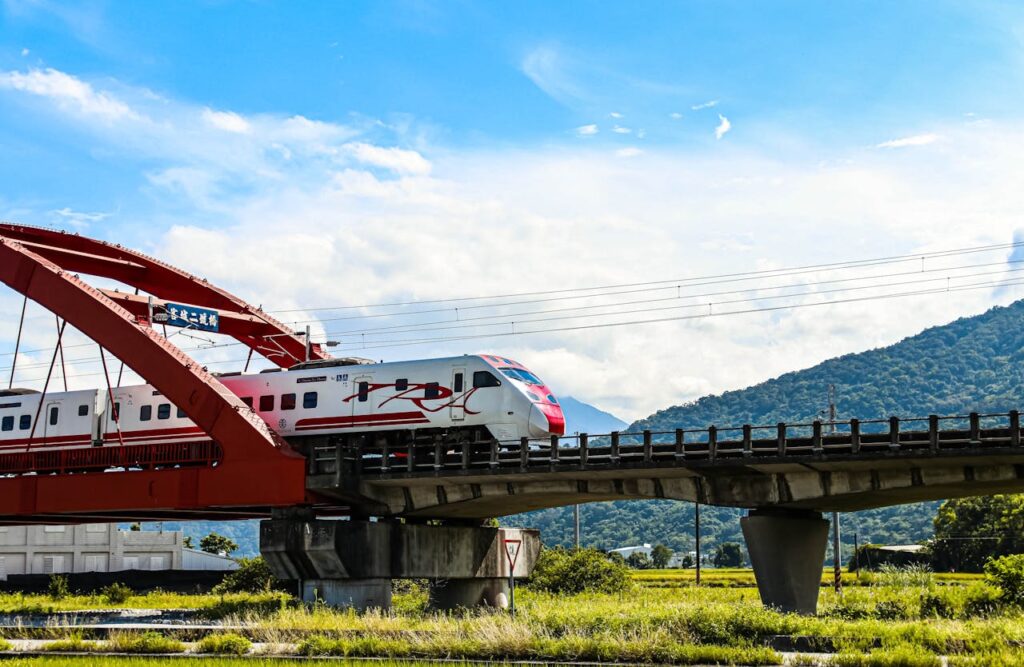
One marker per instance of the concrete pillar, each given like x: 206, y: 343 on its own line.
x: 352, y: 563
x: 449, y: 594
x: 787, y: 550
x: 359, y: 594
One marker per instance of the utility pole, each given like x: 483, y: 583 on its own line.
x: 696, y: 536
x: 837, y: 558
x: 576, y: 524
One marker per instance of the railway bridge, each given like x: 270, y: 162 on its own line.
x: 420, y: 512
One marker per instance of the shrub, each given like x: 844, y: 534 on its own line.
x: 5, y: 645
x: 229, y: 643
x: 117, y: 593
x: 147, y: 642
x: 981, y: 601
x: 58, y: 587
x: 891, y: 610
x: 252, y: 576
x: 935, y: 605
x: 71, y: 644
x: 578, y: 571
x: 1007, y: 574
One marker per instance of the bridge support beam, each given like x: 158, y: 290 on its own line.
x: 787, y: 550
x: 352, y: 563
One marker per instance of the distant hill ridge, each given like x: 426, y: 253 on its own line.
x: 971, y: 364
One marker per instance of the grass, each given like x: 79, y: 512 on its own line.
x: 744, y: 577
x: 892, y: 619
x: 229, y: 643
x: 142, y: 661
x: 22, y: 603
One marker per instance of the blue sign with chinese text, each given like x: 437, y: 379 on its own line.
x: 201, y: 319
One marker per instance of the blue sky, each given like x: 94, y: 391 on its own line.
x: 627, y: 141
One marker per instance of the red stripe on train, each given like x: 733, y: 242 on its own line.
x: 362, y: 420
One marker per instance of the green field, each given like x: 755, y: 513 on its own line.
x: 898, y: 618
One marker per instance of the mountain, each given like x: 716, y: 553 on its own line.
x: 972, y: 364
x: 582, y: 417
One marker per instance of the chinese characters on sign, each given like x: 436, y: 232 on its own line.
x: 179, y: 315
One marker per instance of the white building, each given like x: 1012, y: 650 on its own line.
x: 98, y: 547
x: 629, y: 551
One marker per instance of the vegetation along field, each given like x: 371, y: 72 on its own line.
x: 582, y: 607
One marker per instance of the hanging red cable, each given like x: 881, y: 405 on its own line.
x: 110, y: 398
x: 17, y: 342
x: 46, y: 385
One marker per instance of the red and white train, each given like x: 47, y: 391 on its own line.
x: 457, y: 398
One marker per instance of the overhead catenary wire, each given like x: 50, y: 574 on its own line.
x: 476, y: 322
x: 716, y: 314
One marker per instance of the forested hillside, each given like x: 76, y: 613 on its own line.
x: 970, y: 364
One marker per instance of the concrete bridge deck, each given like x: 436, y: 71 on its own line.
x: 786, y: 466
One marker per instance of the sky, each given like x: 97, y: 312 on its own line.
x: 322, y: 159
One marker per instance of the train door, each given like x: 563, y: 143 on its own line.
x: 362, y: 404
x: 458, y: 402
x: 51, y: 419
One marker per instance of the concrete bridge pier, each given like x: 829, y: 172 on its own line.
x: 787, y: 550
x: 353, y: 563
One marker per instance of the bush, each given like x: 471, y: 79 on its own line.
x: 578, y: 571
x: 58, y: 588
x: 252, y: 576
x: 72, y: 644
x: 229, y: 643
x: 891, y: 610
x: 5, y: 645
x: 1007, y: 574
x: 935, y: 605
x: 117, y: 593
x: 147, y: 642
x: 981, y: 601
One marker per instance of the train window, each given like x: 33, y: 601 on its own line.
x: 145, y: 413
x: 163, y: 411
x: 401, y: 384
x: 7, y: 424
x: 457, y: 384
x: 309, y: 400
x: 54, y: 414
x: 83, y: 410
x: 25, y: 423
x: 432, y: 390
x: 485, y: 379
x: 181, y: 414
x: 521, y: 374
x: 267, y: 403
x: 247, y: 400
x: 364, y: 391
x: 287, y: 401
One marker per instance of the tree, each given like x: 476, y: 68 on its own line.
x: 578, y: 570
x: 188, y: 543
x: 728, y: 554
x: 217, y: 544
x: 970, y: 531
x: 660, y: 556
x: 638, y: 560
x: 688, y: 561
x: 135, y: 527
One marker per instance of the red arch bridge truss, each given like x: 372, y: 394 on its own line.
x: 247, y: 469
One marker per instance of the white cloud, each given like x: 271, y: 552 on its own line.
x: 915, y: 140
x: 705, y: 105
x: 79, y: 218
x: 396, y: 159
x: 615, y: 114
x: 227, y: 121
x: 723, y: 126
x: 24, y: 52
x: 343, y: 220
x: 641, y: 133
x: 67, y: 91
x: 587, y: 130
x: 675, y: 115
x: 621, y: 130
x: 545, y: 66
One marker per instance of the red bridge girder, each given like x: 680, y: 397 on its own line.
x: 254, y: 469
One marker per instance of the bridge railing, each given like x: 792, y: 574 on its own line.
x: 870, y: 438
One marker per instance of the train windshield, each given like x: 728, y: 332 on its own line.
x: 521, y: 374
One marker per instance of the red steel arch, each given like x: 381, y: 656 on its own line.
x: 254, y: 469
